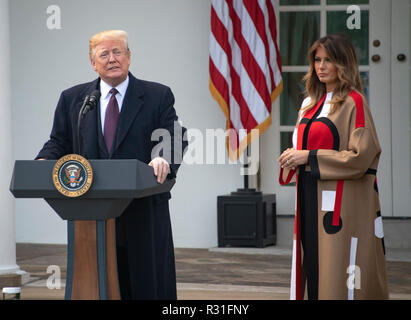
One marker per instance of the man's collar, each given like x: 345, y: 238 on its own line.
x: 121, y: 88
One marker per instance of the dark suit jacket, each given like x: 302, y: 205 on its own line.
x: 145, y: 249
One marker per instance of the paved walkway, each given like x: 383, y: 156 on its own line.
x: 209, y: 274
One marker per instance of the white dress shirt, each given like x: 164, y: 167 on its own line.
x: 105, y: 97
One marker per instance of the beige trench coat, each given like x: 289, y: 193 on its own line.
x: 344, y: 154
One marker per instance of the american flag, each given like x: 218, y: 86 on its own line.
x: 245, y: 67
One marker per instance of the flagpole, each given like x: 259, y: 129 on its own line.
x: 245, y: 179
x: 245, y: 170
x: 246, y: 190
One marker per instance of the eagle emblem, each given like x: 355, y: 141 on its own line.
x: 72, y: 175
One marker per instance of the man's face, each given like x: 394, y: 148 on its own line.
x: 111, y: 61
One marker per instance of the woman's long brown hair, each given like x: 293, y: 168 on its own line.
x: 342, y: 54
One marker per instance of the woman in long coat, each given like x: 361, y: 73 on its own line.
x: 338, y: 249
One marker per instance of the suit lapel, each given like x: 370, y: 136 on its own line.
x: 132, y: 103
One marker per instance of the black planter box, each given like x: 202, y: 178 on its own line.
x: 246, y: 220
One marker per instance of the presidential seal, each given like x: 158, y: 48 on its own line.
x: 72, y: 175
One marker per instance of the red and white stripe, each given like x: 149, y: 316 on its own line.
x: 245, y: 67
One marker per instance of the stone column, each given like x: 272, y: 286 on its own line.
x: 8, y: 266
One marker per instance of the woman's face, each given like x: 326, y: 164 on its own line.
x: 325, y: 69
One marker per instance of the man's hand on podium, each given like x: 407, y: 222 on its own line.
x: 161, y: 168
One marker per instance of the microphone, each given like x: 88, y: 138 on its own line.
x: 92, y: 100
x: 89, y: 103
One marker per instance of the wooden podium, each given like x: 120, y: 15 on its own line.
x: 91, y: 250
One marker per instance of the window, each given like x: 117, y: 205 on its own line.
x: 301, y: 23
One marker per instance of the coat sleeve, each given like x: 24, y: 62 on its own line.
x: 286, y: 175
x: 168, y: 120
x: 363, y: 147
x: 60, y: 142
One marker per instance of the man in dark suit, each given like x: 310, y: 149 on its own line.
x: 120, y: 127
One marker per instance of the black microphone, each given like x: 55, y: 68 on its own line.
x: 92, y: 101
x: 89, y: 103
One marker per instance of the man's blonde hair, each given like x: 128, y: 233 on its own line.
x: 106, y: 35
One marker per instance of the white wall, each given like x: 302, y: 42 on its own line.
x: 7, y: 225
x: 169, y: 44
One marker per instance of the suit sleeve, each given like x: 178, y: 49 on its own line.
x: 352, y: 163
x: 168, y: 120
x: 60, y: 142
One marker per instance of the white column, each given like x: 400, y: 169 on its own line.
x: 7, y: 224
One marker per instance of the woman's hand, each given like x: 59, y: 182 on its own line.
x: 292, y: 158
